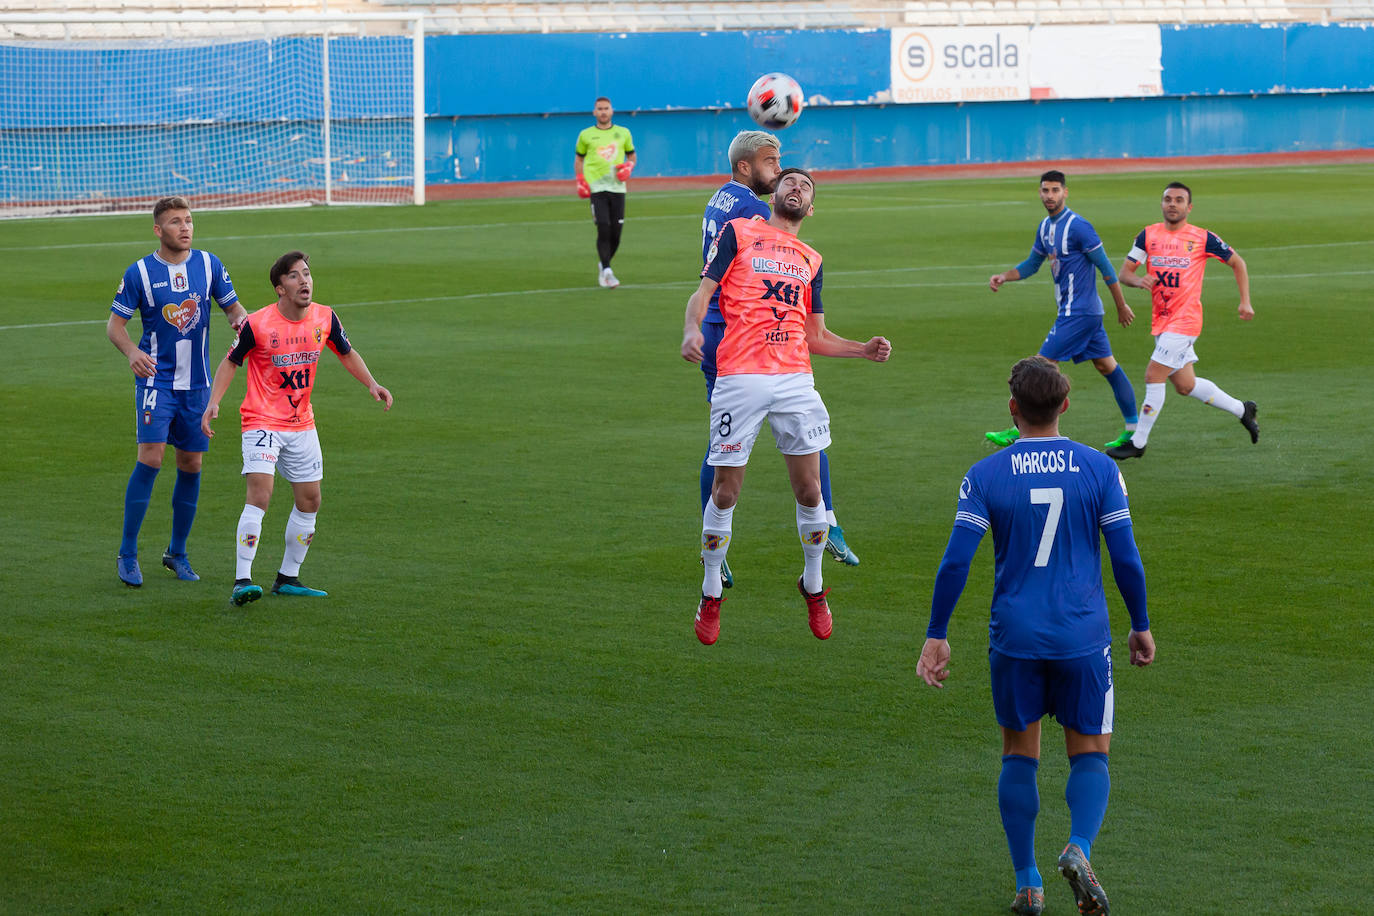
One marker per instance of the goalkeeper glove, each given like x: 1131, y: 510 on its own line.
x: 623, y: 170
x: 583, y: 189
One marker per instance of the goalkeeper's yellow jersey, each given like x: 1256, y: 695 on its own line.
x: 603, y: 150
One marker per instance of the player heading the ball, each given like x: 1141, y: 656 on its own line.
x: 770, y: 297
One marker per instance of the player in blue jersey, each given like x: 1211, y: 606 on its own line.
x: 1049, y: 502
x: 170, y: 290
x: 1076, y: 254
x: 755, y: 162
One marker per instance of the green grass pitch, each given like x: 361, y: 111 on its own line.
x: 501, y: 707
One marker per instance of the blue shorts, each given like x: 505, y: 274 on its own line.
x: 165, y: 415
x: 1078, y: 339
x: 1076, y: 691
x: 713, y: 333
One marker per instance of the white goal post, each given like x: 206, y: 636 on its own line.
x: 109, y: 112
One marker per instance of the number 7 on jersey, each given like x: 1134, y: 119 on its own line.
x: 1054, y: 498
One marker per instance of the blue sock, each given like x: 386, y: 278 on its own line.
x: 825, y: 483
x: 136, y: 497
x: 1087, y: 791
x: 708, y: 477
x: 1125, y: 394
x: 185, y: 495
x: 1019, y: 801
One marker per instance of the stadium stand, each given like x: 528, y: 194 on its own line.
x: 468, y: 16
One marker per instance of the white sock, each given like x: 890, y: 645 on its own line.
x: 300, y: 531
x: 1207, y: 392
x: 830, y: 517
x: 1149, y: 413
x: 716, y: 525
x: 813, y: 527
x: 249, y: 533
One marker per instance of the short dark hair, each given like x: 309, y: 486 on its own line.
x: 602, y: 98
x: 1039, y: 389
x: 282, y: 266
x: 796, y: 171
x: 1182, y: 187
x: 168, y: 203
x: 1054, y: 175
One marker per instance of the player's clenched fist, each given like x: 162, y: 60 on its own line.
x: 878, y: 349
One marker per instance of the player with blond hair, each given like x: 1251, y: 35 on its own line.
x: 171, y: 291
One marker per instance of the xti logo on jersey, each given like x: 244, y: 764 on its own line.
x: 1177, y: 259
x: 769, y: 283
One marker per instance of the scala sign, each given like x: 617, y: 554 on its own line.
x: 975, y: 64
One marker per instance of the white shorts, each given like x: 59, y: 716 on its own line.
x: 794, y: 409
x: 295, y: 453
x: 1173, y: 350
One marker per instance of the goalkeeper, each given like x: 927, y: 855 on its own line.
x: 601, y: 176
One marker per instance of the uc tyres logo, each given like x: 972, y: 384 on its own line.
x: 183, y: 315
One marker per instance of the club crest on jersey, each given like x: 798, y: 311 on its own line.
x: 274, y: 339
x: 183, y: 315
x: 318, y: 334
x: 178, y: 282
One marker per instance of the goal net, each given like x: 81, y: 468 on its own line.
x: 110, y: 113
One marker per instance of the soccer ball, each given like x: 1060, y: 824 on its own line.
x: 775, y: 101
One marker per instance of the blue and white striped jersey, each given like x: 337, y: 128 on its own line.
x: 1046, y: 502
x: 732, y: 201
x: 173, y: 301
x: 1065, y: 239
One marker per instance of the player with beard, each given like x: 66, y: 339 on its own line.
x: 770, y: 299
x: 1175, y: 254
x: 755, y: 161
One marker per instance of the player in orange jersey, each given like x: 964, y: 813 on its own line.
x: 1175, y: 254
x: 770, y: 297
x: 281, y: 345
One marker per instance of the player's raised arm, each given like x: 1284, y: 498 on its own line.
x: 353, y: 362
x: 823, y: 342
x: 1237, y: 264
